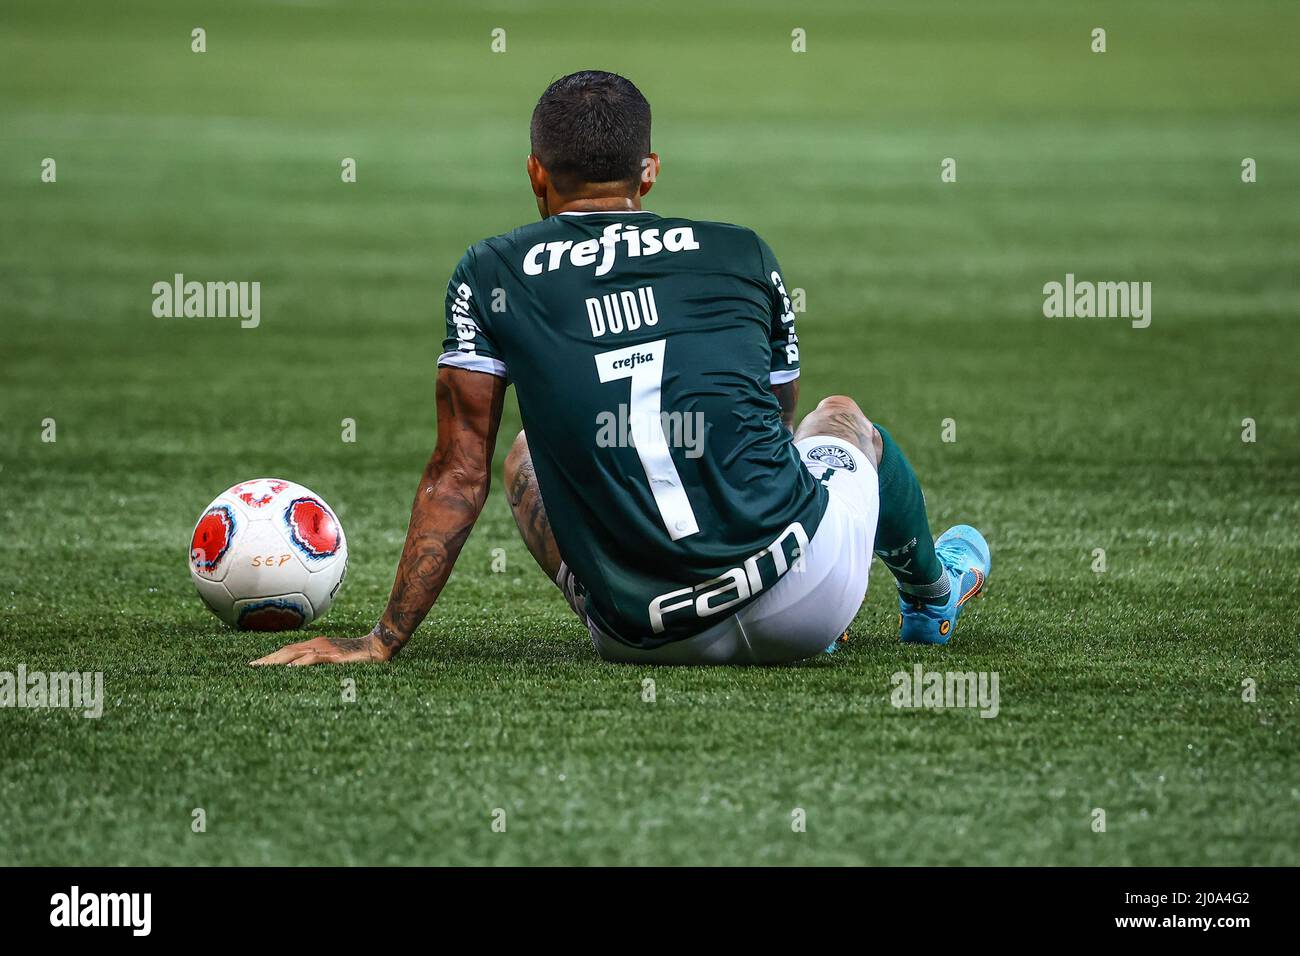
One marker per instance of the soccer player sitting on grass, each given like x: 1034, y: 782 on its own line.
x: 656, y: 480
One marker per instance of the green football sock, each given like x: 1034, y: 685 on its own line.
x: 903, y: 540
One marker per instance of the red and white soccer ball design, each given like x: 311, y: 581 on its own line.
x: 268, y: 555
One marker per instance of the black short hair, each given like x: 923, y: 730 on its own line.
x: 591, y: 127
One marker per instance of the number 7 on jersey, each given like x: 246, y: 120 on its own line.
x: 644, y: 365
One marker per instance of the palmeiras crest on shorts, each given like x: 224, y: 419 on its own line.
x: 212, y: 537
x: 832, y: 456
x: 312, y: 528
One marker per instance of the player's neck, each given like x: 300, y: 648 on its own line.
x: 595, y: 204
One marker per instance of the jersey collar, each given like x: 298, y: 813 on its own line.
x: 606, y: 212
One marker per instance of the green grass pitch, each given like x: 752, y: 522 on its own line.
x: 1120, y: 690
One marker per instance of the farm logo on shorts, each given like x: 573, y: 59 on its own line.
x: 312, y: 528
x: 732, y: 587
x: 833, y: 456
x: 257, y: 493
x: 212, y: 537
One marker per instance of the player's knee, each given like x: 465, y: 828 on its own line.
x: 841, y: 416
x: 841, y: 405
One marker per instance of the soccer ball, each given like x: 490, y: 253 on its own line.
x: 268, y: 555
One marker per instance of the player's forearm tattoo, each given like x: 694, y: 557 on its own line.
x: 446, y: 506
x: 349, y: 643
x: 451, y: 495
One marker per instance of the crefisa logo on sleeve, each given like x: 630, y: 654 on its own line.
x: 76, y: 908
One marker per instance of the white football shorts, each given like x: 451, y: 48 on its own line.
x: 811, y: 605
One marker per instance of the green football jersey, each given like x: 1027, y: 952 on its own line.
x: 643, y: 350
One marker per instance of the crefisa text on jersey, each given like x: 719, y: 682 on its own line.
x: 602, y: 252
x: 466, y: 329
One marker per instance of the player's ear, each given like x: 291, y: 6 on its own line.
x: 649, y: 172
x: 537, y: 176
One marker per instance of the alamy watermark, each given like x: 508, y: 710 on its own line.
x: 66, y: 690
x: 945, y: 689
x: 133, y: 911
x: 1098, y: 300
x: 179, y: 299
x: 627, y: 428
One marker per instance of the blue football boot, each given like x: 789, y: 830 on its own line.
x: 964, y: 554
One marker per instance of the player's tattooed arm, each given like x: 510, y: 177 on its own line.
x: 453, y: 489
x: 787, y: 393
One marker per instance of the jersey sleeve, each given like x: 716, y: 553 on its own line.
x: 784, y: 341
x: 469, y: 342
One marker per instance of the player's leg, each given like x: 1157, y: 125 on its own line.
x: 935, y: 579
x: 903, y: 540
x: 840, y: 417
x: 525, y: 499
x: 526, y: 505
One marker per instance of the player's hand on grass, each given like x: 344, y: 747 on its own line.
x: 330, y: 650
